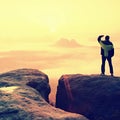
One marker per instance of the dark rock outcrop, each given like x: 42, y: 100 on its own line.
x: 31, y: 77
x: 96, y: 97
x: 23, y: 96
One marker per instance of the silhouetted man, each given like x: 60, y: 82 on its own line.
x: 107, y: 52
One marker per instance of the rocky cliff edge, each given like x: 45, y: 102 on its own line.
x: 24, y: 96
x: 94, y: 96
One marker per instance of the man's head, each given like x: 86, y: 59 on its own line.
x: 107, y: 38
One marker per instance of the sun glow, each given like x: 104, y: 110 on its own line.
x: 52, y: 22
x: 52, y: 26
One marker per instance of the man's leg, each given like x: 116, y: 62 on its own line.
x: 103, y: 65
x: 110, y: 65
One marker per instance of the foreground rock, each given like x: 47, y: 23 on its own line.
x: 96, y: 97
x: 23, y: 96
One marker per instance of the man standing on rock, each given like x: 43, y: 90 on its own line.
x: 107, y: 52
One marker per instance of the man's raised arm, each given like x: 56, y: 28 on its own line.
x: 99, y: 38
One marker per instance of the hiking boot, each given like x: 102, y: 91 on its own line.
x: 112, y: 74
x: 102, y: 74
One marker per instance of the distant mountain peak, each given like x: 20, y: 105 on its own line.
x: 63, y: 42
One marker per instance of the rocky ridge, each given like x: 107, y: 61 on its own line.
x: 24, y: 96
x: 94, y: 96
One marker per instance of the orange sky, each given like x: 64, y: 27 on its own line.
x: 57, y: 36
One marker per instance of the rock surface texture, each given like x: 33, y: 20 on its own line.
x: 24, y: 96
x: 96, y: 97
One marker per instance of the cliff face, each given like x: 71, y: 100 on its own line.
x: 23, y: 96
x: 96, y: 97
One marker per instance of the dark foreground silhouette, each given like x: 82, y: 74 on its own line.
x: 23, y: 96
x: 94, y: 96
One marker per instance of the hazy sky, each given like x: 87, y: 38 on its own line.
x: 38, y: 25
x: 39, y: 21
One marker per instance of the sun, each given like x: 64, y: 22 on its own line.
x: 52, y: 23
x: 53, y: 29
